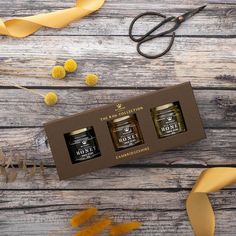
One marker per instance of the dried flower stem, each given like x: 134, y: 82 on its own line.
x: 21, y: 87
x: 50, y: 98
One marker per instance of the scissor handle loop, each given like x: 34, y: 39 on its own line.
x: 149, y: 13
x: 157, y: 55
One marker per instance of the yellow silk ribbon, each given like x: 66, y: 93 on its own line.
x: 199, y: 209
x: 24, y: 26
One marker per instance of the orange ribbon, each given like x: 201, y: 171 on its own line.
x: 199, y: 209
x: 25, y: 26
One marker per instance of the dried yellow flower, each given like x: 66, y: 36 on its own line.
x: 91, y: 79
x: 95, y: 228
x: 121, y: 229
x: 70, y: 65
x: 82, y: 216
x: 58, y: 72
x: 50, y: 98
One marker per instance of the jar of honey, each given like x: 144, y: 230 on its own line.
x: 125, y: 132
x: 82, y: 145
x: 168, y: 120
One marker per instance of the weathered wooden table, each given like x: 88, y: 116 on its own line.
x: 151, y: 190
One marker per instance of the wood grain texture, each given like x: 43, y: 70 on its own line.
x: 115, y: 60
x: 21, y: 109
x: 116, y: 178
x: 162, y: 212
x: 154, y: 189
x: 115, y: 16
x: 217, y: 149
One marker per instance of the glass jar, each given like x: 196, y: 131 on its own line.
x: 168, y: 120
x: 125, y: 132
x: 82, y: 145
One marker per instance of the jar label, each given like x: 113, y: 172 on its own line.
x: 82, y: 146
x: 168, y: 125
x: 127, y: 135
x: 85, y: 148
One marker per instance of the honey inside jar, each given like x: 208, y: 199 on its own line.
x: 82, y: 145
x: 125, y: 132
x: 168, y: 119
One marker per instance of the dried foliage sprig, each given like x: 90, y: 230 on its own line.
x: 97, y: 226
x: 83, y: 216
x: 94, y: 229
x: 10, y: 171
x: 124, y: 228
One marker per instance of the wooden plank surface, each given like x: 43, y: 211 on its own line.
x: 161, y: 210
x: 217, y: 107
x: 201, y: 60
x: 115, y: 16
x: 154, y: 189
x: 29, y: 143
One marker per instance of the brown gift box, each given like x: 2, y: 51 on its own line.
x: 99, y: 118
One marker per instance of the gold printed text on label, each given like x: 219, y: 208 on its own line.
x: 131, y: 153
x: 120, y: 111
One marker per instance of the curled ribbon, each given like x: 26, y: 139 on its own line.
x: 25, y: 26
x: 199, y: 209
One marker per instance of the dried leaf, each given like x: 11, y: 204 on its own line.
x: 24, y: 166
x: 32, y: 171
x: 20, y: 164
x: 3, y: 171
x: 41, y: 168
x: 2, y: 156
x: 11, y: 175
x: 19, y: 161
x: 9, y: 162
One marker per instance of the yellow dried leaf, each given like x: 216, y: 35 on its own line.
x: 94, y: 229
x: 121, y: 229
x: 81, y: 217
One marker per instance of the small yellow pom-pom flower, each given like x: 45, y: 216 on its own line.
x: 58, y: 72
x: 70, y: 65
x: 50, y: 98
x: 91, y: 79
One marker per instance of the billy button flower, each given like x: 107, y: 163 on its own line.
x: 91, y: 80
x: 70, y: 65
x: 50, y: 99
x: 58, y: 72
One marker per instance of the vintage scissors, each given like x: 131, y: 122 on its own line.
x: 148, y: 36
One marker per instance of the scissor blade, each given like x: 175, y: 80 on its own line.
x: 191, y: 13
